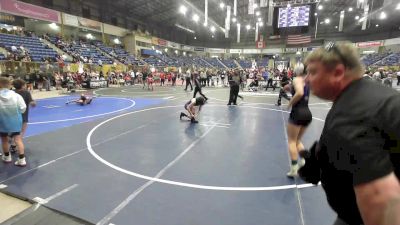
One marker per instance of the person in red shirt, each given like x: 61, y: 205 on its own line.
x: 169, y: 77
x: 162, y: 78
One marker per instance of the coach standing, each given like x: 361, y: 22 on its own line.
x: 234, y: 84
x: 359, y: 154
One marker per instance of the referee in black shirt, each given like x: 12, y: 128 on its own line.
x: 282, y: 93
x: 359, y: 149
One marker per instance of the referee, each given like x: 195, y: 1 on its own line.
x: 234, y: 88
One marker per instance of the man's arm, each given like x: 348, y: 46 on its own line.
x: 21, y: 104
x: 379, y: 200
x: 389, y: 115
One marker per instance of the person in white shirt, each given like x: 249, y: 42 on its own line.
x: 188, y: 78
x: 12, y: 105
x: 132, y: 74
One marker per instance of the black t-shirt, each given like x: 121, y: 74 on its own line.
x: 26, y: 95
x: 360, y: 143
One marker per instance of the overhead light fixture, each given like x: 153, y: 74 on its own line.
x: 185, y: 28
x: 234, y: 19
x: 377, y: 25
x: 117, y: 41
x: 260, y: 24
x: 195, y: 18
x: 327, y: 20
x: 336, y: 27
x: 320, y: 7
x: 183, y: 9
x: 221, y: 5
x: 53, y: 26
x: 195, y: 38
x: 248, y: 27
x: 257, y: 13
x: 382, y: 16
x: 351, y: 9
x: 212, y: 36
x: 89, y: 36
x: 357, y: 17
x: 259, y: 19
x: 255, y: 6
x: 212, y: 29
x: 315, y: 14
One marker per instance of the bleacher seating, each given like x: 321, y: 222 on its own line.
x: 245, y: 64
x: 90, y: 52
x: 230, y: 63
x: 82, y: 49
x: 371, y: 59
x: 169, y: 61
x: 38, y: 51
x: 390, y: 60
x: 120, y: 54
x: 214, y: 62
x: 154, y: 61
x: 200, y: 62
x: 262, y: 62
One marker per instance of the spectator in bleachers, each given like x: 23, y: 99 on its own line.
x: 14, y: 49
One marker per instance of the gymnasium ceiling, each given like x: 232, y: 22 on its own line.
x: 159, y: 17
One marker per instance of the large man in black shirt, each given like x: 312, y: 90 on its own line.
x: 359, y: 149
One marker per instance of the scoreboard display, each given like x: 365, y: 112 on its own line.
x: 296, y: 16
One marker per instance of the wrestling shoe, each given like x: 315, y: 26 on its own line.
x: 6, y: 159
x: 182, y: 115
x: 20, y: 162
x: 293, y: 171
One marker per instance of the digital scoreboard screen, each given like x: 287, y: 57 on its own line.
x: 296, y: 16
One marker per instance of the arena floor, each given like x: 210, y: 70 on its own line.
x: 128, y: 159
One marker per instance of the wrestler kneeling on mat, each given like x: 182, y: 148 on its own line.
x: 190, y: 107
x: 83, y: 100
